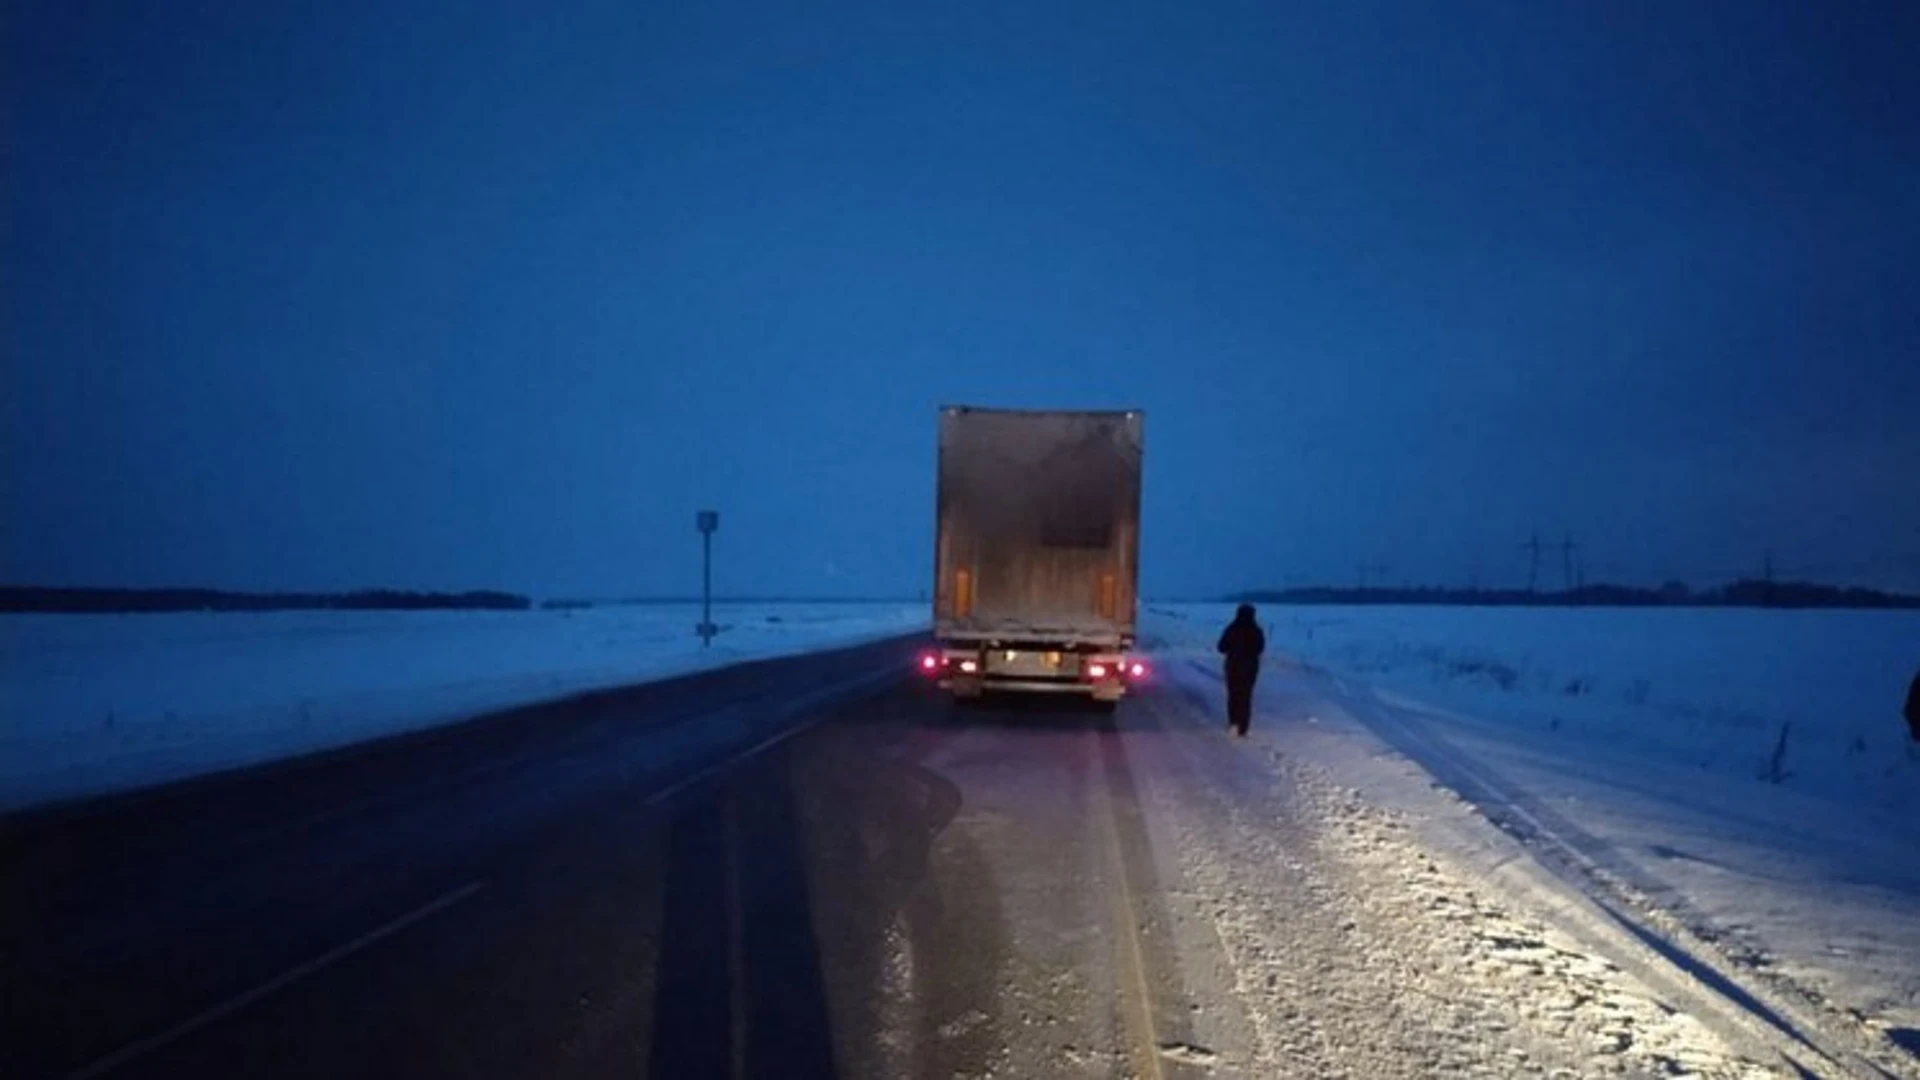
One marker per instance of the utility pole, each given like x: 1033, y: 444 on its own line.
x: 1532, y: 548
x: 706, y: 521
x: 1567, y: 549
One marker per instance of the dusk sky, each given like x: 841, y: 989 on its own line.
x: 497, y: 295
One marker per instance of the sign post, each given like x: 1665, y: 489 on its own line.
x: 706, y: 521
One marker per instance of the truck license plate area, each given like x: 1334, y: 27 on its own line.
x: 1026, y: 662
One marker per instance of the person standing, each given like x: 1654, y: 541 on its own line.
x: 1242, y: 643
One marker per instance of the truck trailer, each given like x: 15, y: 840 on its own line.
x: 1036, y: 553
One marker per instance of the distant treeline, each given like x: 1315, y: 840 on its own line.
x: 80, y: 601
x: 1744, y: 593
x: 758, y: 598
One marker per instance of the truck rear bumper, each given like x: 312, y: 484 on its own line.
x: 1025, y: 686
x: 973, y: 688
x: 969, y: 672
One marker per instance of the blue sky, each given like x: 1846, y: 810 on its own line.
x: 497, y: 295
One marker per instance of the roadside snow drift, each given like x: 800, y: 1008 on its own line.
x: 98, y: 703
x: 1744, y: 773
x: 1806, y: 700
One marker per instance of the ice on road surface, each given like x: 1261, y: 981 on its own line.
x: 98, y: 703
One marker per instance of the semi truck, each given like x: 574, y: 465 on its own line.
x: 1036, y: 553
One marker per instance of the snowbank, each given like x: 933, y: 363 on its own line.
x: 96, y: 703
x: 1713, y: 689
x: 1648, y: 746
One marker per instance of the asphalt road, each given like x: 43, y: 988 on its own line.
x: 618, y: 884
x: 808, y: 867
x: 486, y: 900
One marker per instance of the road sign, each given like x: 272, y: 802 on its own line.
x: 706, y: 521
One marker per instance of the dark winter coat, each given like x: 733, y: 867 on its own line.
x: 1242, y: 643
x: 1913, y: 708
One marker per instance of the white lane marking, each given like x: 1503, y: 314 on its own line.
x: 142, y: 1047
x: 806, y: 707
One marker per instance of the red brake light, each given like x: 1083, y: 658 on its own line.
x: 929, y: 662
x: 1138, y: 670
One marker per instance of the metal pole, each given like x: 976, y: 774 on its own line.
x: 706, y: 521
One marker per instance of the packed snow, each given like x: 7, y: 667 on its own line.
x: 1358, y: 950
x: 98, y: 703
x: 1742, y: 779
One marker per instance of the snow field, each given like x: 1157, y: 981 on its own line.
x: 1710, y: 688
x: 98, y: 703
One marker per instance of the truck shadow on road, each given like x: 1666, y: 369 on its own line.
x: 915, y: 941
x: 811, y: 929
x: 1013, y: 711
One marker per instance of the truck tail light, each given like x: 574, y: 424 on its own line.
x: 968, y: 667
x: 1096, y: 671
x: 929, y: 662
x: 1136, y: 669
